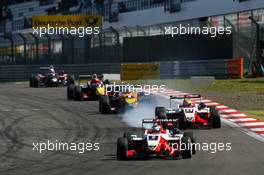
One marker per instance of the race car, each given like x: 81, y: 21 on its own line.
x: 48, y: 78
x: 156, y: 142
x: 190, y: 114
x: 87, y: 91
x: 114, y: 101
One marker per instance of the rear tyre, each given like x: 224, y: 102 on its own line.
x: 31, y: 81
x: 100, y: 108
x: 216, y: 121
x: 122, y: 148
x: 70, y: 90
x: 104, y: 104
x: 77, y: 93
x: 160, y: 112
x: 186, y: 148
x: 36, y: 82
x: 70, y: 79
x: 182, y: 123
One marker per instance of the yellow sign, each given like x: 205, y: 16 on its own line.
x: 8, y: 50
x: 140, y: 71
x: 67, y: 21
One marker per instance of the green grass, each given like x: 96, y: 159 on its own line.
x: 12, y: 81
x: 255, y: 114
x: 243, y: 85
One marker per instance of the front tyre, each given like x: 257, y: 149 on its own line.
x: 70, y: 90
x: 122, y: 148
x: 216, y: 121
x: 104, y: 104
x: 186, y: 146
x: 77, y: 93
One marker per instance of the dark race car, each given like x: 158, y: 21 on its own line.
x: 156, y: 142
x: 114, y: 101
x: 50, y: 79
x: 87, y: 91
x: 189, y: 114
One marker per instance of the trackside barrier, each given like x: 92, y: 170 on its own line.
x: 235, y: 68
x: 23, y: 72
x: 137, y: 71
x: 231, y: 68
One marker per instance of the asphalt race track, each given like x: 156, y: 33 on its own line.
x: 28, y: 115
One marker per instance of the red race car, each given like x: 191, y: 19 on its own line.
x: 190, y: 114
x: 49, y: 78
x: 156, y: 142
x: 89, y: 90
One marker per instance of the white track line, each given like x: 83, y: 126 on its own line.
x: 227, y: 110
x: 252, y: 124
x: 243, y: 119
x: 212, y: 104
x: 222, y: 107
x: 257, y: 129
x: 234, y: 115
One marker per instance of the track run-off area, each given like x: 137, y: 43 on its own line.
x: 30, y: 115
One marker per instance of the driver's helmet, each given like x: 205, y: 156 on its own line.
x: 202, y: 105
x: 95, y: 79
x: 61, y: 72
x: 156, y: 128
x: 175, y: 131
x: 106, y: 81
x: 187, y: 102
x: 51, y: 70
x: 94, y: 76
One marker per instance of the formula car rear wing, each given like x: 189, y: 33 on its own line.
x: 158, y: 120
x: 90, y: 76
x: 184, y: 97
x: 83, y: 76
x: 44, y: 68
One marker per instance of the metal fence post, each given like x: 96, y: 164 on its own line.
x: 9, y: 37
x: 72, y: 48
x: 258, y: 54
x: 49, y: 46
x: 37, y: 45
x: 25, y: 45
x: 62, y: 47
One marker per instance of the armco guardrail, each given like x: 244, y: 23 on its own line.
x: 186, y: 69
x: 23, y: 72
x: 175, y: 69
